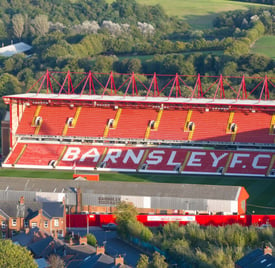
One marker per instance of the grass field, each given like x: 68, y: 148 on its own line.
x: 200, y: 13
x: 265, y: 46
x: 261, y: 190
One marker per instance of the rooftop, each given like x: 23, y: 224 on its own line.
x: 125, y: 188
x: 43, y: 98
x: 12, y: 49
x: 155, y: 89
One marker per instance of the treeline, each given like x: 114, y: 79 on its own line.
x: 198, y: 246
x: 70, y: 16
x: 265, y: 2
x: 190, y: 245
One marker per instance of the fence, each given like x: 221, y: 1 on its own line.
x: 82, y: 221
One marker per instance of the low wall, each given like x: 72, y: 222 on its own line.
x: 81, y: 221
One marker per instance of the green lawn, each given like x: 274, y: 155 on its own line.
x: 265, y: 46
x: 261, y: 190
x: 199, y: 13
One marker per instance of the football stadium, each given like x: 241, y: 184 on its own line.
x: 171, y: 124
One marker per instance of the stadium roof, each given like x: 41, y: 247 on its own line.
x: 10, y: 50
x: 143, y: 89
x: 48, y: 98
x: 196, y: 191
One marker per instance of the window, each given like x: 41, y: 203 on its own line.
x: 13, y: 223
x: 60, y: 233
x: 3, y: 234
x: 56, y: 222
x: 3, y: 224
x: 45, y: 224
x: 26, y: 223
x: 34, y: 224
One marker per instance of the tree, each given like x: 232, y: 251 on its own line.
x: 56, y: 262
x: 143, y: 261
x: 91, y: 240
x: 125, y: 212
x: 18, y: 25
x: 9, y: 85
x: 3, y: 31
x: 158, y: 261
x: 40, y: 25
x: 12, y: 255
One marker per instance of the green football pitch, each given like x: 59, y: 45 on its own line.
x: 261, y: 190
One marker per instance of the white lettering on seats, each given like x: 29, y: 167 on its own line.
x: 93, y: 153
x: 110, y: 156
x: 256, y: 160
x: 171, y: 159
x: 130, y: 154
x: 71, y: 154
x: 235, y: 159
x: 193, y: 161
x: 217, y: 159
x: 155, y: 159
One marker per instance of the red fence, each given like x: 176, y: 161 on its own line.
x: 80, y: 220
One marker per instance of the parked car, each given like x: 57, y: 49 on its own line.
x: 109, y: 226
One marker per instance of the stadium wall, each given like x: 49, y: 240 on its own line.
x: 80, y: 220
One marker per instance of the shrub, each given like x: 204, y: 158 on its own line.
x: 91, y: 240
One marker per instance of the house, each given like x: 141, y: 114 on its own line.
x: 258, y: 258
x: 76, y: 253
x: 12, y: 49
x: 78, y: 256
x: 21, y: 215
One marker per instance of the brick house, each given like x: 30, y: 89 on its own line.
x: 21, y: 215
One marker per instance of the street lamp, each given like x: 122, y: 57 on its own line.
x: 88, y: 216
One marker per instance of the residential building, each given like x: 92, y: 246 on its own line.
x: 19, y: 215
x: 258, y: 258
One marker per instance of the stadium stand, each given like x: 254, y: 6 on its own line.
x: 144, y: 159
x: 142, y: 133
x: 132, y: 123
x: 171, y: 126
x: 25, y: 126
x: 54, y: 119
x: 210, y: 126
x: 91, y: 122
x: 253, y: 127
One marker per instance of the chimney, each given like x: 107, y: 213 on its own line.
x: 100, y: 250
x: 21, y: 201
x: 82, y: 240
x: 78, y: 200
x: 119, y: 260
x: 267, y: 250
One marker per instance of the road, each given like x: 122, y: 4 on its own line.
x: 113, y: 245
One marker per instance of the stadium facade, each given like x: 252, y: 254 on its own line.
x: 194, y: 129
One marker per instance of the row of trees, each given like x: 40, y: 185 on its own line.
x: 266, y: 2
x: 210, y: 246
x: 129, y: 227
x: 193, y: 245
x: 34, y: 18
